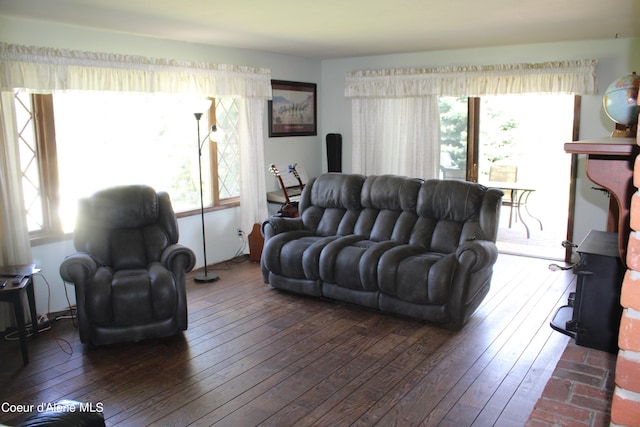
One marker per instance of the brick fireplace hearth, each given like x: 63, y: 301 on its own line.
x: 579, y: 391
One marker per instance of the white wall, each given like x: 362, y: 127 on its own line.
x: 616, y: 57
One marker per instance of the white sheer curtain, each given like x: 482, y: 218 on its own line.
x: 253, y: 196
x: 14, y: 242
x: 47, y: 70
x: 396, y: 136
x: 14, y: 234
x: 395, y: 133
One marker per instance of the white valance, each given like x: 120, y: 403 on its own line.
x: 45, y: 70
x: 567, y: 77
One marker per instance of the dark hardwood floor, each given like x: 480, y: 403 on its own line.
x: 256, y: 356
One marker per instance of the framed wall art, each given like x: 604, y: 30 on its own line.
x: 292, y: 112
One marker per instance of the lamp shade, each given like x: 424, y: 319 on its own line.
x: 200, y: 105
x: 216, y: 133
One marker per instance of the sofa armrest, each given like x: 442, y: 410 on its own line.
x: 471, y: 281
x: 276, y: 225
x: 77, y: 268
x: 477, y: 254
x: 175, y: 253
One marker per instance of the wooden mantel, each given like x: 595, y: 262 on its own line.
x: 610, y: 164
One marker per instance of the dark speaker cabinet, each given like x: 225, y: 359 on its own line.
x: 592, y: 316
x: 334, y: 152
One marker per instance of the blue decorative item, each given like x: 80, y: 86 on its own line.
x: 621, y: 104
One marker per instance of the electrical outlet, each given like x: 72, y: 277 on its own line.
x: 239, y: 232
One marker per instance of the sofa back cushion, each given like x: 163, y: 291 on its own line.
x: 389, y: 208
x: 449, y: 214
x: 330, y: 204
x: 435, y: 214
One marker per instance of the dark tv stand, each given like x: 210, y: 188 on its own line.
x: 592, y: 316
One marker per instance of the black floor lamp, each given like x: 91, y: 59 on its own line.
x: 206, y: 276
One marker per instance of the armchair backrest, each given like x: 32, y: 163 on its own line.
x: 125, y: 227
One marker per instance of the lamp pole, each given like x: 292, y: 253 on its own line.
x: 205, y: 276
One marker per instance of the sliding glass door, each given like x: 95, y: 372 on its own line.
x: 515, y: 142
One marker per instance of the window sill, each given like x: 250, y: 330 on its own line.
x: 43, y: 239
x: 207, y: 209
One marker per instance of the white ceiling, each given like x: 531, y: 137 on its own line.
x: 326, y: 29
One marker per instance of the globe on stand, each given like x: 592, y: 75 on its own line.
x: 621, y: 104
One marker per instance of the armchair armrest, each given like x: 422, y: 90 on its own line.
x: 177, y: 253
x: 77, y: 268
x: 276, y: 225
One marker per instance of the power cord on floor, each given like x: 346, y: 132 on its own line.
x: 556, y: 267
x: 238, y: 258
x: 63, y: 344
x: 243, y: 239
x: 42, y: 319
x: 72, y: 316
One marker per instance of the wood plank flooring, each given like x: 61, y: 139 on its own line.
x: 256, y: 356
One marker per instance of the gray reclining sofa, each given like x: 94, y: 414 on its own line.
x: 423, y: 249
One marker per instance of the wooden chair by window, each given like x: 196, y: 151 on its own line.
x: 507, y: 174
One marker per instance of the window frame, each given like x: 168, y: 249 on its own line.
x: 47, y: 160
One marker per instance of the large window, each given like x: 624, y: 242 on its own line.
x: 82, y: 142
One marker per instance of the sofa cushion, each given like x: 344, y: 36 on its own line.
x: 295, y: 254
x: 331, y: 203
x: 389, y: 204
x: 457, y: 201
x: 419, y: 278
x: 387, y: 219
x: 335, y: 190
x: 352, y: 262
x: 390, y: 192
x: 449, y: 215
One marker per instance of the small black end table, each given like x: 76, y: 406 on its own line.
x: 15, y: 294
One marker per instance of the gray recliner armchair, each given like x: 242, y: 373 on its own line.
x: 129, y: 272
